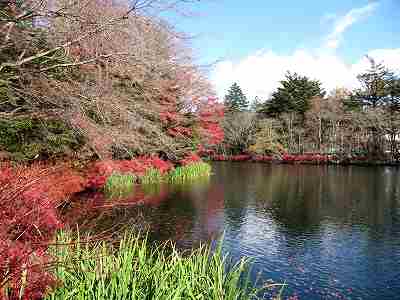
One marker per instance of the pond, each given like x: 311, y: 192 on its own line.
x: 328, y: 232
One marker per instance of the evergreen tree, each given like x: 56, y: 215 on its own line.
x: 235, y: 99
x: 293, y: 95
x: 379, y: 91
x: 378, y: 87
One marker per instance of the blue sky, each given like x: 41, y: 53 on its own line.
x: 310, y: 36
x: 232, y: 29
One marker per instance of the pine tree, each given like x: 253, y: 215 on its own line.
x: 294, y: 95
x: 378, y: 86
x: 235, y: 99
x: 379, y: 90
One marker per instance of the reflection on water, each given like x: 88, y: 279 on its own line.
x: 329, y: 232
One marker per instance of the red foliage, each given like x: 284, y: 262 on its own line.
x: 263, y: 158
x: 209, y: 116
x: 28, y: 200
x: 190, y: 159
x: 168, y: 117
x: 286, y: 158
x: 242, y: 157
x: 220, y: 157
x: 315, y: 158
x: 180, y: 131
x: 178, y: 121
x: 101, y: 170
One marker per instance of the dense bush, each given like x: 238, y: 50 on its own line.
x: 99, y: 171
x: 28, y: 200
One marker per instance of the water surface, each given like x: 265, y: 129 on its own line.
x: 329, y: 232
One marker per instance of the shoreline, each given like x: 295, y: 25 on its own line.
x: 298, y: 160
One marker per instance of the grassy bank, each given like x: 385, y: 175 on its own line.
x: 189, y: 172
x: 131, y: 269
x: 119, y: 185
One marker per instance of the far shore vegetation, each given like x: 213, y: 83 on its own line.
x: 102, y: 99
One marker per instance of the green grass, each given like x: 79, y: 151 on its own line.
x: 119, y: 185
x: 151, y: 176
x: 190, y: 172
x: 131, y: 269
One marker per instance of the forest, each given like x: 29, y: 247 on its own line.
x: 302, y: 118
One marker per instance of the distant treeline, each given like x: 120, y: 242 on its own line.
x: 300, y: 117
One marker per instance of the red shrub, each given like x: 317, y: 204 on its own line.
x: 209, y: 116
x: 180, y: 131
x: 263, y: 158
x: 242, y: 157
x: 315, y: 158
x: 28, y: 200
x: 288, y: 158
x: 220, y: 157
x: 101, y: 170
x: 190, y: 159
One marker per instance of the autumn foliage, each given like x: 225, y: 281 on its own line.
x: 101, y: 170
x: 28, y: 200
x: 121, y: 80
x: 210, y: 115
x: 190, y: 159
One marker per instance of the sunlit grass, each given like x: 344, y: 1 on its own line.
x: 190, y: 172
x: 119, y: 185
x: 131, y: 269
x: 151, y: 176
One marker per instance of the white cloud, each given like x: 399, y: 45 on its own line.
x: 259, y: 74
x: 342, y: 23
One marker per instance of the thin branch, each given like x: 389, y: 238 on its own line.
x: 83, y: 62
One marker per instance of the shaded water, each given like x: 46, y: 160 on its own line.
x: 329, y: 232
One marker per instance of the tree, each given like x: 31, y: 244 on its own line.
x: 120, y: 79
x: 293, y: 95
x: 379, y: 93
x: 235, y: 99
x: 239, y: 131
x: 392, y: 117
x: 376, y: 86
x: 267, y: 139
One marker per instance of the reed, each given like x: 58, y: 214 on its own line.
x: 131, y: 269
x: 119, y: 185
x: 151, y: 176
x: 189, y: 172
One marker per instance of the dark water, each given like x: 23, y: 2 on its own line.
x: 328, y: 232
